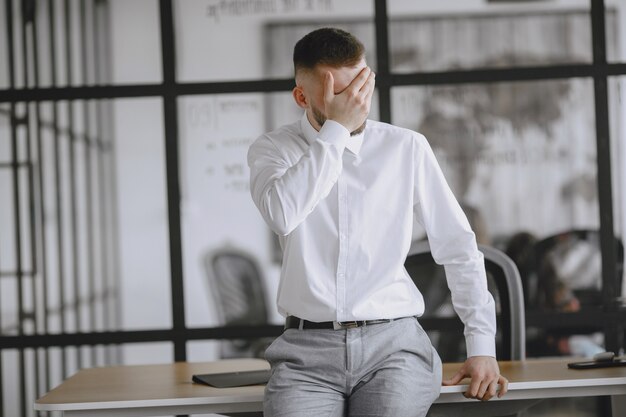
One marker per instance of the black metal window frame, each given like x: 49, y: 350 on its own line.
x: 609, y: 318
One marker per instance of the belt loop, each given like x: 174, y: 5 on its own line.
x: 301, y: 325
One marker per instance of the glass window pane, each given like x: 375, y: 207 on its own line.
x: 518, y: 153
x: 615, y: 25
x: 521, y: 159
x: 217, y: 211
x: 203, y: 350
x: 439, y: 36
x: 96, y: 239
x: 211, y: 350
x: 135, y: 41
x: 147, y: 353
x: 7, y: 222
x: 89, y: 35
x: 45, y: 32
x: 17, y: 60
x: 229, y: 41
x: 4, y: 52
x: 282, y: 37
x: 5, y: 133
x: 142, y: 213
x: 11, y: 383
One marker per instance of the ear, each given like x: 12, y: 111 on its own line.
x: 300, y: 97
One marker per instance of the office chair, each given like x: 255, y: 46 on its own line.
x: 503, y: 282
x: 505, y: 285
x: 237, y: 289
x: 567, y: 277
x: 584, y: 278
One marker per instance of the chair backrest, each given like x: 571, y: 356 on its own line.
x: 573, y: 257
x: 237, y: 287
x: 502, y: 270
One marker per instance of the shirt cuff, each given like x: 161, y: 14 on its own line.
x: 334, y: 133
x: 480, y: 345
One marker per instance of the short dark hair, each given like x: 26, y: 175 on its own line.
x: 327, y: 46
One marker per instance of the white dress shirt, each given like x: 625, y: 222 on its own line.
x: 343, y: 208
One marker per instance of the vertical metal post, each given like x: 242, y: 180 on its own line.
x: 89, y: 258
x: 9, y: 36
x: 27, y: 16
x: 170, y: 115
x: 15, y: 165
x: 98, y: 42
x: 72, y: 177
x: 605, y: 189
x: 58, y: 189
x: 43, y: 270
x: 112, y: 304
x: 383, y: 77
x: 104, y: 203
x: 100, y: 174
x: 116, y: 282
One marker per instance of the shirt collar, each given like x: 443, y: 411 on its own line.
x: 354, y: 142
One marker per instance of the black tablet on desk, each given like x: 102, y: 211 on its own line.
x: 596, y: 364
x: 233, y: 379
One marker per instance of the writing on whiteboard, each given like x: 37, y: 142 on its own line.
x: 217, y: 9
x: 220, y: 129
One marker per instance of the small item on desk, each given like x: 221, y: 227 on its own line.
x: 600, y: 360
x: 233, y: 379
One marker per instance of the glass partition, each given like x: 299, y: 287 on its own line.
x: 146, y: 353
x: 4, y: 53
x: 450, y: 35
x: 137, y: 53
x: 225, y: 41
x: 217, y: 210
x: 142, y: 213
x: 522, y: 154
x: 216, y: 207
x: 91, y: 244
x: 615, y: 29
x: 71, y: 44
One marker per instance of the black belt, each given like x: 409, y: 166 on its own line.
x: 294, y: 322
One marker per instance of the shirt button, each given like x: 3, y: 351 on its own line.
x: 341, y: 275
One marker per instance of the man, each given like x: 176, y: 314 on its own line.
x: 341, y: 192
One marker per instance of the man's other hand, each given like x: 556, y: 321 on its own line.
x: 485, y: 377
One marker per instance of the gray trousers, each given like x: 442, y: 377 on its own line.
x: 388, y: 369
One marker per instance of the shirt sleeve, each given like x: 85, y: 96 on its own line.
x: 453, y: 245
x: 286, y: 193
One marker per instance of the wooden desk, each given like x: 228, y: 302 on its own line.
x: 153, y: 390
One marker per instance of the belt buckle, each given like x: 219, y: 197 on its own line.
x: 342, y: 325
